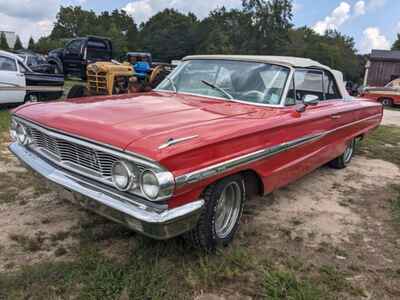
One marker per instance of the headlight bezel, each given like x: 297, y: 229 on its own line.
x: 132, y: 175
x: 142, y: 184
x: 22, y: 138
x: 165, y: 182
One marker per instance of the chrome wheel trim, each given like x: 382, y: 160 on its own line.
x: 348, y: 153
x: 386, y: 102
x: 228, y: 210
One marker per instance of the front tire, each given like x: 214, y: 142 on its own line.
x: 343, y: 160
x: 58, y: 69
x: 77, y: 91
x: 221, y: 215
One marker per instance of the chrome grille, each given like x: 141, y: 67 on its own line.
x: 67, y: 152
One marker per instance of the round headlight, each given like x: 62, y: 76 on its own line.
x: 124, y: 176
x: 21, y: 134
x: 150, y: 185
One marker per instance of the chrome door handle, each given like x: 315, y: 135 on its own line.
x: 336, y: 117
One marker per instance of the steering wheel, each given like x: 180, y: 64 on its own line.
x: 256, y: 95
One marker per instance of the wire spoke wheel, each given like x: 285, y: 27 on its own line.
x: 228, y: 209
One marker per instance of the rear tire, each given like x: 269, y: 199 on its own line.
x: 343, y: 160
x: 221, y: 215
x: 77, y: 91
x: 387, y: 102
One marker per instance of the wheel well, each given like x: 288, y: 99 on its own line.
x: 252, y: 180
x: 253, y: 183
x: 55, y: 62
x: 383, y: 98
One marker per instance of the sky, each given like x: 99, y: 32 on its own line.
x: 372, y: 23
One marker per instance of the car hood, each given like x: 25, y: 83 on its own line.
x: 142, y: 122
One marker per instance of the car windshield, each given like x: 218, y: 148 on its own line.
x: 239, y: 80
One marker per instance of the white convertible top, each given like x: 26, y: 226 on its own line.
x: 282, y: 60
x: 297, y: 62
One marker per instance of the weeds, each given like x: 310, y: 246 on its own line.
x: 4, y: 121
x: 383, y: 143
x: 285, y: 285
x: 396, y: 203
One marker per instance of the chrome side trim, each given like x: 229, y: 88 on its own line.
x: 225, y: 166
x: 172, y: 142
x: 353, y: 123
x: 243, y: 160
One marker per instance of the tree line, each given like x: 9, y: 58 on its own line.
x: 259, y: 27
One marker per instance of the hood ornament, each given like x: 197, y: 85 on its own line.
x: 172, y: 141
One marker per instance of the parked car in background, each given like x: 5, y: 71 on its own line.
x: 352, y: 88
x: 186, y: 157
x: 388, y: 95
x: 18, y: 83
x: 36, y: 62
x: 78, y: 53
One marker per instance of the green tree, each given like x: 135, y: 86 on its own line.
x: 31, y: 44
x: 224, y: 32
x: 396, y: 44
x: 3, y: 42
x: 332, y: 49
x: 169, y: 35
x: 271, y: 21
x: 259, y: 27
x: 73, y: 21
x: 18, y: 44
x: 45, y: 44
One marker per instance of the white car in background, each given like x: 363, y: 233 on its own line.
x: 18, y: 83
x: 12, y: 74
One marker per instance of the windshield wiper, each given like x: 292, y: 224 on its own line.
x: 218, y: 89
x: 173, y: 84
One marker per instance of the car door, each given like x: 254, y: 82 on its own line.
x: 11, y: 77
x: 344, y: 112
x: 308, y: 129
x: 73, y: 57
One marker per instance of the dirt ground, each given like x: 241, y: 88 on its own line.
x: 339, y: 217
x: 391, y: 117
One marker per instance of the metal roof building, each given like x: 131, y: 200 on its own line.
x: 382, y: 67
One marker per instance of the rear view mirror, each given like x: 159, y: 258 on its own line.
x: 310, y: 100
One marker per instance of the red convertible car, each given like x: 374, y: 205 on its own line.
x: 186, y: 157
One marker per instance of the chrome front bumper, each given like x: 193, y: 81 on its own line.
x: 155, y: 222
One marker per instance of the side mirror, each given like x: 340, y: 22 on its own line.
x: 310, y: 100
x: 307, y: 101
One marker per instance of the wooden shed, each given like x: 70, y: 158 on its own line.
x: 382, y: 67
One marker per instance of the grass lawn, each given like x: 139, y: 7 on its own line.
x: 4, y: 120
x: 383, y: 143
